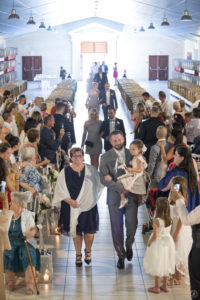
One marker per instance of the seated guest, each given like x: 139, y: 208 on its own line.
x: 22, y: 227
x: 109, y: 126
x: 166, y: 105
x: 48, y: 143
x: 148, y: 129
x: 193, y: 127
x: 157, y: 167
x: 30, y: 179
x: 62, y: 122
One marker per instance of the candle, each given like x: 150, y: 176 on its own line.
x: 46, y: 277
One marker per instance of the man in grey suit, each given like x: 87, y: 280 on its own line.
x: 157, y: 168
x: 109, y: 166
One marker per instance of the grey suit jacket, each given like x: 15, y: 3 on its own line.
x: 107, y: 166
x: 154, y: 161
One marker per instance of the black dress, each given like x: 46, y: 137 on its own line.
x: 88, y: 222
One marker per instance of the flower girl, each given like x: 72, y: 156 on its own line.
x: 159, y: 259
x: 181, y: 234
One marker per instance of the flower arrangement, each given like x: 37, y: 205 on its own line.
x: 52, y: 175
x: 44, y: 203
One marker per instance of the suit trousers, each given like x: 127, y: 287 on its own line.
x: 193, y: 263
x: 117, y: 220
x: 105, y: 112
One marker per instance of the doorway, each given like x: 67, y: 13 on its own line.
x: 31, y: 66
x: 158, y: 67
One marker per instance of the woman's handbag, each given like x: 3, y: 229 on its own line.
x: 89, y: 144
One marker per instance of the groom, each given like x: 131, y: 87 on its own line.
x: 109, y: 165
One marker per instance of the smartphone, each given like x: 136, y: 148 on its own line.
x: 177, y: 187
x: 19, y: 168
x: 3, y: 186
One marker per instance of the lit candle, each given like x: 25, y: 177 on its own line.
x: 46, y: 277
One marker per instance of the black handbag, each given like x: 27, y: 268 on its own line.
x: 89, y: 144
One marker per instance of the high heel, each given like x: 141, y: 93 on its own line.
x: 87, y: 257
x: 79, y: 260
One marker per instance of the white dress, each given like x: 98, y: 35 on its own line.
x: 159, y: 259
x: 183, y: 245
x: 135, y: 182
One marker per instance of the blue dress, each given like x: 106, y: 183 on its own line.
x: 194, y: 200
x: 16, y: 259
x: 31, y: 177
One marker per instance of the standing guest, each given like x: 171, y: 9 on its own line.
x: 159, y: 259
x: 109, y: 166
x: 53, y: 109
x: 30, y: 123
x: 107, y: 98
x: 91, y: 137
x: 101, y: 79
x: 62, y: 122
x: 3, y: 132
x: 13, y: 108
x: 157, y: 167
x: 92, y: 101
x: 166, y: 105
x: 137, y: 117
x: 104, y: 67
x: 184, y: 167
x: 193, y: 127
x: 147, y: 102
x: 70, y: 115
x: 78, y: 189
x: 110, y: 125
x: 147, y: 132
x: 191, y: 219
x: 14, y: 143
x: 36, y: 115
x: 36, y: 106
x: 48, y: 143
x: 8, y: 121
x: 197, y: 101
x: 89, y: 83
x: 115, y: 73
x: 182, y: 103
x: 21, y: 106
x: 94, y: 69
x: 43, y: 109
x: 63, y: 73
x: 188, y: 117
x: 182, y: 235
x: 22, y: 227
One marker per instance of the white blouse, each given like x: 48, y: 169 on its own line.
x: 191, y: 218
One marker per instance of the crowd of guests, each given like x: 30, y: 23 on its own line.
x: 158, y: 159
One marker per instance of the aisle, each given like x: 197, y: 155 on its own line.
x: 101, y: 280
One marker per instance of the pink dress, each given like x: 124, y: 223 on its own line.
x: 115, y: 72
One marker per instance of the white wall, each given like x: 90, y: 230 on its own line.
x: 54, y: 47
x: 134, y: 50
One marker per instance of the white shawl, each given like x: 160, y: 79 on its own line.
x: 87, y: 198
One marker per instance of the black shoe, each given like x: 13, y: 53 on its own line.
x: 129, y: 254
x: 120, y: 263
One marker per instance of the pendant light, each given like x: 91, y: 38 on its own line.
x: 13, y: 14
x: 49, y: 28
x: 151, y: 26
x: 186, y: 16
x: 30, y: 20
x: 142, y: 29
x: 165, y: 22
x: 42, y: 25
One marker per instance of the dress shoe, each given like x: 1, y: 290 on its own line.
x: 120, y: 263
x: 129, y: 254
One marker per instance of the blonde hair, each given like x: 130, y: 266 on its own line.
x: 177, y: 106
x: 163, y: 210
x: 94, y: 110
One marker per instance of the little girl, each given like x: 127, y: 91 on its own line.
x: 181, y: 234
x: 134, y: 178
x: 159, y: 259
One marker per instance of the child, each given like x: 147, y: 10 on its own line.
x: 181, y: 234
x: 159, y: 259
x: 133, y: 180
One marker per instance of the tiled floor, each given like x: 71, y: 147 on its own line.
x: 101, y: 280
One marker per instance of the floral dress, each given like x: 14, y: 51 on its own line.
x: 31, y: 177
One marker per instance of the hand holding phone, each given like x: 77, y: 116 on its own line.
x: 3, y: 186
x: 177, y: 187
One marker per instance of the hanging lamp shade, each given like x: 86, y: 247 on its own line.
x: 42, y: 25
x: 49, y: 28
x: 31, y: 21
x: 186, y: 16
x: 165, y: 22
x: 142, y: 29
x: 151, y: 26
x: 13, y: 14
